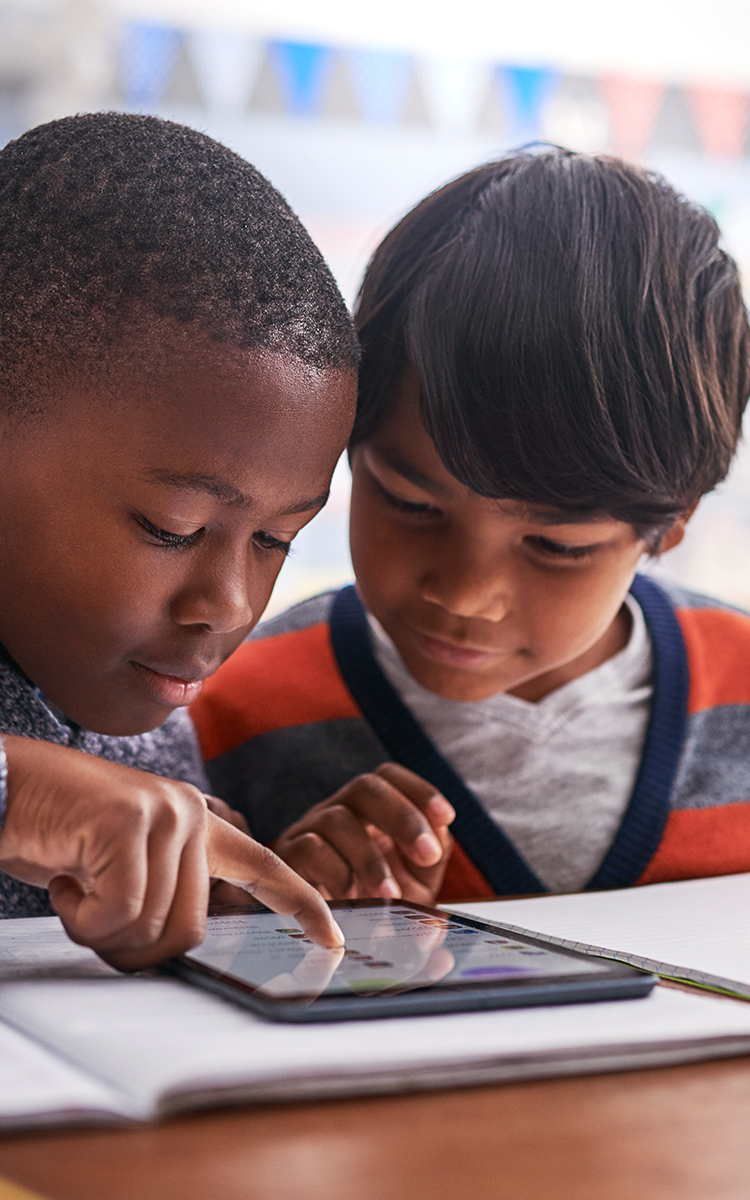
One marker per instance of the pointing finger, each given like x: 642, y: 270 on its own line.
x: 247, y: 864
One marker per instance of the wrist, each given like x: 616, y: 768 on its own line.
x: 26, y: 774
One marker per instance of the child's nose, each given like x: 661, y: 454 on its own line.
x: 468, y: 585
x: 219, y: 599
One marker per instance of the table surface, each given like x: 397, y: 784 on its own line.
x: 643, y: 1135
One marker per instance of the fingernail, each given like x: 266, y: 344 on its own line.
x: 389, y: 890
x: 427, y: 848
x: 441, y: 810
x: 337, y: 930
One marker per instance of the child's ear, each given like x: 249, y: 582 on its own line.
x: 676, y: 533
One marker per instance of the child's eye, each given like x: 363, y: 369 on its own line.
x: 407, y: 506
x: 559, y: 549
x: 266, y: 541
x: 175, y: 541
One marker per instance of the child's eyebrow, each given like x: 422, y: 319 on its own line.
x: 529, y: 512
x: 560, y: 516
x: 403, y: 467
x: 225, y: 492
x: 193, y: 481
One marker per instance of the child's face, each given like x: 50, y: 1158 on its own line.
x: 142, y: 530
x: 481, y: 596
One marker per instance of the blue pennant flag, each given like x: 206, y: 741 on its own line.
x: 302, y: 70
x: 526, y: 91
x: 149, y: 54
x: 381, y: 80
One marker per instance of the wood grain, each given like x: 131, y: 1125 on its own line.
x: 648, y: 1135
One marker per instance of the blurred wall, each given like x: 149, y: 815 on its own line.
x: 355, y: 113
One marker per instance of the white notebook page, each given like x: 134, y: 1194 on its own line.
x: 39, y: 947
x: 696, y: 929
x: 155, y: 1038
x: 35, y: 1083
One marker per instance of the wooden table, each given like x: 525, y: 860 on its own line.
x: 678, y: 1132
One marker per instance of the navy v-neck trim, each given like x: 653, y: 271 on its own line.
x: 406, y: 741
x: 642, y: 826
x: 485, y: 843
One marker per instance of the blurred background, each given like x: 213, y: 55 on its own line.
x: 357, y: 111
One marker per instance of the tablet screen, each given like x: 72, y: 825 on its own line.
x: 389, y: 947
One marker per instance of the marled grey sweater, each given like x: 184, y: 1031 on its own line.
x: 171, y: 751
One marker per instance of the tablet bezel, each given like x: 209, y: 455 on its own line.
x: 615, y: 981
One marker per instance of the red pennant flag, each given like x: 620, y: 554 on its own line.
x: 721, y: 118
x: 633, y: 106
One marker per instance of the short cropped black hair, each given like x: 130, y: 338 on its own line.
x: 580, y: 337
x: 109, y: 220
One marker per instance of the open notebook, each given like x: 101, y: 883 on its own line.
x: 78, y: 1043
x: 696, y: 931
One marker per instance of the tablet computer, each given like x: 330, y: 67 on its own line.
x: 400, y: 958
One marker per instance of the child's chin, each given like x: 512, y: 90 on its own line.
x: 451, y: 683
x: 127, y: 720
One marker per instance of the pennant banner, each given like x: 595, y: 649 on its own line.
x: 525, y: 91
x: 381, y: 80
x: 303, y: 71
x: 633, y: 108
x: 617, y: 112
x: 721, y: 117
x: 226, y: 65
x: 149, y: 54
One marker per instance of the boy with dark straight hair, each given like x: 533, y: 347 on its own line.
x: 555, y: 366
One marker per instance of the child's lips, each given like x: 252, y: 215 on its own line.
x: 451, y: 654
x: 171, y: 691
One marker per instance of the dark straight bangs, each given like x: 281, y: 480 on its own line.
x: 580, y: 338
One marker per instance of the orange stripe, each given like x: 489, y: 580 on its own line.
x: 718, y: 647
x: 702, y: 841
x: 272, y: 683
x: 463, y: 881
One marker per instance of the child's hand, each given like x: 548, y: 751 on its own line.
x: 128, y: 856
x: 222, y: 892
x: 220, y: 809
x: 384, y: 834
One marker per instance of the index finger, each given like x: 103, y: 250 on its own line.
x: 247, y: 864
x: 421, y: 793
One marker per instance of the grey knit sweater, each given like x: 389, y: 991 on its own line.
x: 171, y: 751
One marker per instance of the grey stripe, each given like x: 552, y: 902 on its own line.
x: 715, y: 765
x: 274, y: 778
x: 682, y: 598
x: 301, y: 616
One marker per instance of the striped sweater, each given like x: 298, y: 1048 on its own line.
x: 303, y: 706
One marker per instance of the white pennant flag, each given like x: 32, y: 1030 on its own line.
x: 226, y: 65
x: 454, y: 87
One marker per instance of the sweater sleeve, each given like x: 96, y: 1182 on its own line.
x: 3, y: 782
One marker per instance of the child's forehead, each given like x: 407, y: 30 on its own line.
x: 153, y: 361
x: 198, y: 410
x: 186, y: 370
x: 163, y: 349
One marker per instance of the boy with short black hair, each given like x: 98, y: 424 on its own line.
x: 555, y: 367
x: 177, y: 379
